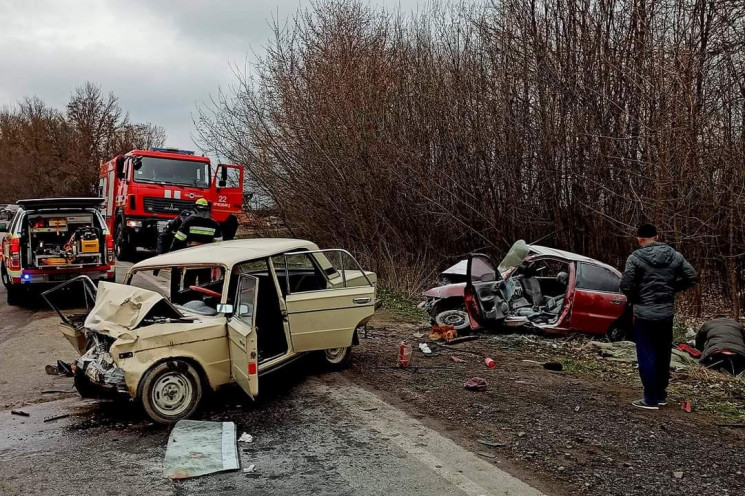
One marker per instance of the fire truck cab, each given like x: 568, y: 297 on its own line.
x: 144, y: 189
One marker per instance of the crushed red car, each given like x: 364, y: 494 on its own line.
x: 545, y: 289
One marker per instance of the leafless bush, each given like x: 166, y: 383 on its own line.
x: 413, y: 140
x: 44, y: 152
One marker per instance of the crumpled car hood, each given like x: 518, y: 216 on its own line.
x: 119, y: 308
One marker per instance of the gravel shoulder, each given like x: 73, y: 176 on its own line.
x: 570, y: 432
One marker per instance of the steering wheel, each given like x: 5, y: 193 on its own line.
x: 208, y: 292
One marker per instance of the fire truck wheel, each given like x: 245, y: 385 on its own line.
x: 123, y: 249
x: 15, y: 295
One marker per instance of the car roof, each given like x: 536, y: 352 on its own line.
x: 228, y: 253
x: 58, y: 203
x: 567, y: 255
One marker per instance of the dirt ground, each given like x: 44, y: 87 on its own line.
x: 575, y: 430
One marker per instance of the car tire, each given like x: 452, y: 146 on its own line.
x: 123, y: 250
x: 171, y: 391
x: 617, y: 332
x: 5, y: 277
x: 14, y: 294
x: 336, y: 358
x: 84, y: 387
x: 455, y: 317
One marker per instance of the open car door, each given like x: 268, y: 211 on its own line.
x: 242, y: 336
x: 324, y: 319
x: 481, y: 277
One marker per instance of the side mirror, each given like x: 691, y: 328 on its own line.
x: 222, y: 183
x: 3, y: 227
x: 244, y: 310
x: 120, y: 167
x: 225, y: 308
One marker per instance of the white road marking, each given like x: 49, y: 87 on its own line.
x: 461, y: 468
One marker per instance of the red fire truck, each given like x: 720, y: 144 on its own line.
x: 144, y: 189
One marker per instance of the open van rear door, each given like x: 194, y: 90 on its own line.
x: 244, y: 361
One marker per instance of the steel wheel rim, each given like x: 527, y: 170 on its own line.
x: 335, y: 355
x: 172, y: 393
x: 455, y: 319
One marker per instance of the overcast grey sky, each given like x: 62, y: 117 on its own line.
x: 161, y: 58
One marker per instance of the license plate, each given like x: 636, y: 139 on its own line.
x: 59, y: 277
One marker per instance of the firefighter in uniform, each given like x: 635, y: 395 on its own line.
x: 165, y: 237
x: 197, y: 229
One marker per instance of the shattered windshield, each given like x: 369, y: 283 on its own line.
x: 515, y: 256
x: 168, y: 171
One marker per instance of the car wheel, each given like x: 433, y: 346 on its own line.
x: 455, y: 318
x: 4, y: 276
x: 83, y: 386
x: 617, y: 332
x: 14, y: 294
x: 171, y: 391
x: 337, y: 358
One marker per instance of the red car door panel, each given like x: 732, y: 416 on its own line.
x: 597, y: 302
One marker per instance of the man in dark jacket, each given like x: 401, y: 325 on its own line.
x: 653, y: 274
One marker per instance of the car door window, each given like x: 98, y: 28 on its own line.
x: 246, y: 299
x: 299, y: 273
x: 595, y: 278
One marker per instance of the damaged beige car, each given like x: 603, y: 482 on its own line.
x: 190, y: 321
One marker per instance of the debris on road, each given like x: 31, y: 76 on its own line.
x: 685, y: 406
x: 20, y: 413
x: 59, y: 391
x: 61, y: 368
x: 443, y: 332
x: 463, y: 339
x: 246, y: 438
x: 457, y: 359
x: 250, y: 469
x: 486, y: 455
x: 199, y: 448
x: 475, y: 384
x: 490, y: 363
x: 404, y: 354
x: 493, y: 444
x: 425, y: 349
x: 678, y: 474
x: 56, y: 417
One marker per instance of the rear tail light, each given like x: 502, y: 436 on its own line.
x: 15, y: 254
x: 251, y: 368
x: 109, y: 248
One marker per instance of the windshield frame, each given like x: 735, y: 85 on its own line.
x: 205, y: 183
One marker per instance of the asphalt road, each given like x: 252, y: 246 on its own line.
x: 314, y: 433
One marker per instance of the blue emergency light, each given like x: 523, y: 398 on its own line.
x: 171, y: 150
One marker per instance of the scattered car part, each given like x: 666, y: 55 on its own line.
x: 475, y: 384
x: 199, y: 448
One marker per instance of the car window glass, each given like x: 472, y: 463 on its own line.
x: 482, y: 270
x: 596, y: 278
x: 341, y: 269
x: 176, y: 283
x: 299, y: 273
x: 231, y: 176
x: 246, y: 299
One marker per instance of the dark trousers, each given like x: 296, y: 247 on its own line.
x: 654, y: 342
